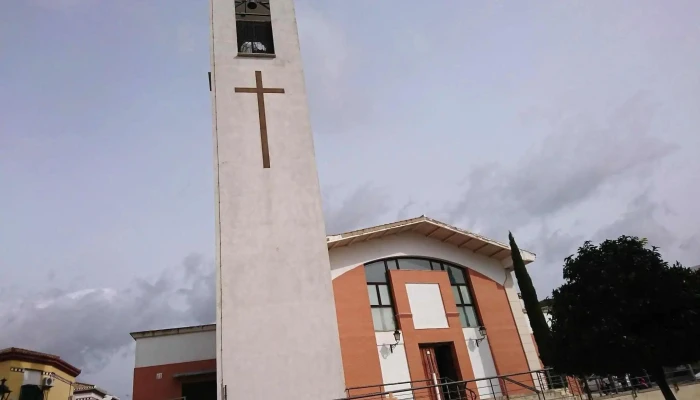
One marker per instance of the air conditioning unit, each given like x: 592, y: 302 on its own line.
x: 47, y: 381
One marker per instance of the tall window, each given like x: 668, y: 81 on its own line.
x: 380, y: 295
x: 463, y: 299
x: 254, y: 27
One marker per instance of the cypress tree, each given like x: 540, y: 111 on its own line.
x: 540, y: 329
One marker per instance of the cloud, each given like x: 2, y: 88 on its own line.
x: 646, y: 218
x: 571, y: 165
x: 551, y: 247
x: 641, y: 219
x: 363, y: 207
x: 90, y: 326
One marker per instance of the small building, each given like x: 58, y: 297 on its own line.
x: 31, y: 375
x: 86, y: 391
x: 415, y: 300
x: 175, y: 363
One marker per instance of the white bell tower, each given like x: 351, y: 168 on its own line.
x: 277, y: 333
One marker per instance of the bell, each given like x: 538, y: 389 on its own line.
x: 252, y: 4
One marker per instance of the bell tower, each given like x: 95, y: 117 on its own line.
x: 277, y: 333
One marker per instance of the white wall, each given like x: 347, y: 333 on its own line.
x: 522, y: 324
x: 344, y: 259
x: 482, y: 362
x: 426, y: 306
x: 394, y: 365
x: 174, y: 349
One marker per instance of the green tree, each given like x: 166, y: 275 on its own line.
x: 622, y: 309
x: 540, y: 329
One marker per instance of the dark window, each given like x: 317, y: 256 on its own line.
x: 30, y: 392
x: 376, y: 272
x: 465, y: 307
x: 254, y: 27
x: 205, y: 390
x: 415, y: 264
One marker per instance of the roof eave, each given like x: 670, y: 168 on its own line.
x: 173, y: 331
x: 496, y: 249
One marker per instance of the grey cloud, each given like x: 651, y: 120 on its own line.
x: 571, y: 166
x: 405, y: 211
x: 644, y: 218
x: 89, y: 327
x: 365, y: 206
x: 551, y: 247
x: 641, y: 219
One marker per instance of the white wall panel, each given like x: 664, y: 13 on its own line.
x: 394, y: 365
x: 426, y: 306
x: 482, y: 362
x: 173, y: 349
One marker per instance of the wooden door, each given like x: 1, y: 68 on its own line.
x: 431, y: 371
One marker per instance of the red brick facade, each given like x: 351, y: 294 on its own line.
x: 149, y: 385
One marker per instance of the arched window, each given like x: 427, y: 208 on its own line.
x: 380, y: 293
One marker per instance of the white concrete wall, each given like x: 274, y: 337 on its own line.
x: 394, y: 365
x: 522, y: 323
x: 344, y: 259
x: 172, y: 349
x: 426, y: 306
x: 482, y: 363
x: 276, y: 321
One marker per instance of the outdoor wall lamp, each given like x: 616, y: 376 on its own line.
x: 482, y: 332
x: 397, y: 337
x: 4, y: 390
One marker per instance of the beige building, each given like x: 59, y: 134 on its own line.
x: 31, y: 375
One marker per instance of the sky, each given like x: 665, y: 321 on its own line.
x: 561, y: 121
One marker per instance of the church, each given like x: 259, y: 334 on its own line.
x: 305, y: 316
x: 403, y: 292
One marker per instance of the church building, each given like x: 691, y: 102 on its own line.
x: 415, y: 300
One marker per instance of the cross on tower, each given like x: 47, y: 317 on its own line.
x: 260, y: 91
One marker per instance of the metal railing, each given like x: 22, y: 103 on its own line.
x: 526, y: 385
x: 608, y: 386
x: 445, y: 389
x: 541, y: 385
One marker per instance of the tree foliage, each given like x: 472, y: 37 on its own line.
x: 622, y: 309
x: 540, y: 329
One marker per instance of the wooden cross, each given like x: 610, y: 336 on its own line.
x: 260, y: 91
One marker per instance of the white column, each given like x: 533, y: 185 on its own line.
x: 277, y: 334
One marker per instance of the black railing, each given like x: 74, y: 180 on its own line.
x: 502, y: 386
x: 417, y: 390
